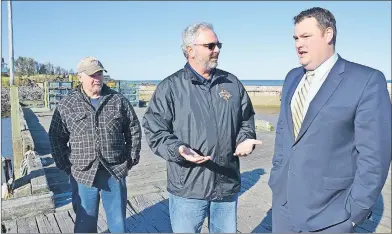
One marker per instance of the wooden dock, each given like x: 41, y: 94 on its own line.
x: 148, y: 208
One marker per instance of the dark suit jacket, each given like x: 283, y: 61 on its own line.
x: 339, y: 163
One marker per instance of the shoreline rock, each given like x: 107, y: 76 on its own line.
x: 32, y: 92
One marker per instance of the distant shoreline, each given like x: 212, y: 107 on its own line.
x: 244, y: 82
x: 260, y: 95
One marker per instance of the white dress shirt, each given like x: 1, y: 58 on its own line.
x: 320, y: 75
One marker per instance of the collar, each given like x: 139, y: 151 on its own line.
x: 326, y: 66
x: 198, y: 76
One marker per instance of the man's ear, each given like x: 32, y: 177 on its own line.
x: 329, y: 33
x: 190, y: 51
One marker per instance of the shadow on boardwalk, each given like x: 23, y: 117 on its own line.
x: 58, y: 181
x: 156, y: 218
x: 38, y: 132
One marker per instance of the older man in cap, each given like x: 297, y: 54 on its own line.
x: 95, y: 138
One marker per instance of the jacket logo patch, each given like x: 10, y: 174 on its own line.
x: 224, y: 94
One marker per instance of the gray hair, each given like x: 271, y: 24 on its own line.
x: 190, y: 34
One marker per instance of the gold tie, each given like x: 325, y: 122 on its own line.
x: 299, y: 102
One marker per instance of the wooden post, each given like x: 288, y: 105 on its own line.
x: 17, y: 143
x: 46, y: 101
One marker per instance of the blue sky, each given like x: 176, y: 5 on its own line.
x: 141, y: 40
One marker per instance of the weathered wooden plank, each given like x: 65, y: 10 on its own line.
x: 39, y: 184
x: 147, y: 180
x: 43, y: 224
x: 53, y: 223
x: 157, y: 200
x: 27, y: 206
x: 65, y: 222
x: 140, y: 170
x: 147, y: 173
x: 136, y: 191
x: 10, y: 226
x: 27, y: 225
x: 164, y: 194
x: 132, y: 224
x: 204, y: 227
x: 251, y: 216
x: 159, y: 219
x: 102, y: 225
x: 72, y: 214
x: 141, y: 221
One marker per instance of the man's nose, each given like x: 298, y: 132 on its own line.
x: 216, y: 49
x: 298, y: 44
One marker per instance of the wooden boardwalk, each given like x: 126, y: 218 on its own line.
x: 147, y: 208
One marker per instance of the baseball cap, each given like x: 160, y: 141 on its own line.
x: 90, y: 65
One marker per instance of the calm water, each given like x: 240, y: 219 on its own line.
x: 244, y: 82
x: 6, y: 138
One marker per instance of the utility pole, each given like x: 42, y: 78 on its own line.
x: 10, y: 44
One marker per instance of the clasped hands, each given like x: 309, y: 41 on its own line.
x: 242, y: 150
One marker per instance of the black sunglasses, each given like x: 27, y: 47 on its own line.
x: 211, y: 46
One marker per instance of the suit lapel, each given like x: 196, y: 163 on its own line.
x: 326, y: 90
x: 287, y: 102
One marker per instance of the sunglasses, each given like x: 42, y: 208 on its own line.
x: 211, y: 46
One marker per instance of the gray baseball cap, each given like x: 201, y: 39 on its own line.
x: 89, y: 66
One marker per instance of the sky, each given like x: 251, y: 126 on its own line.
x: 142, y: 40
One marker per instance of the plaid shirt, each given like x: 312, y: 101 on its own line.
x: 81, y: 137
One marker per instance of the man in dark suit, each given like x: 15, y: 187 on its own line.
x: 333, y: 137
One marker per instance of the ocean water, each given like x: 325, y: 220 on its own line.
x: 6, y: 138
x: 244, y: 82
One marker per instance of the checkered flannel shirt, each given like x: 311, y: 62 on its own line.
x: 81, y: 137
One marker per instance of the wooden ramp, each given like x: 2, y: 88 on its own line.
x: 147, y: 208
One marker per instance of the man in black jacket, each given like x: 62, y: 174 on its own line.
x: 200, y: 119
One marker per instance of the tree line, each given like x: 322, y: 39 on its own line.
x: 26, y: 66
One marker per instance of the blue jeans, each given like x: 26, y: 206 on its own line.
x: 85, y: 202
x: 187, y: 215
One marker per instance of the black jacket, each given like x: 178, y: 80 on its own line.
x: 212, y: 119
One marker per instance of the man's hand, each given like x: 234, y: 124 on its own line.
x: 246, y: 147
x: 191, y: 156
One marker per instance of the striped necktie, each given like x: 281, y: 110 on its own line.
x: 299, y: 102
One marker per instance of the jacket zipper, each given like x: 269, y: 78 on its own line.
x: 216, y: 158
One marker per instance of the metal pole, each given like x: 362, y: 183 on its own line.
x: 10, y: 44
